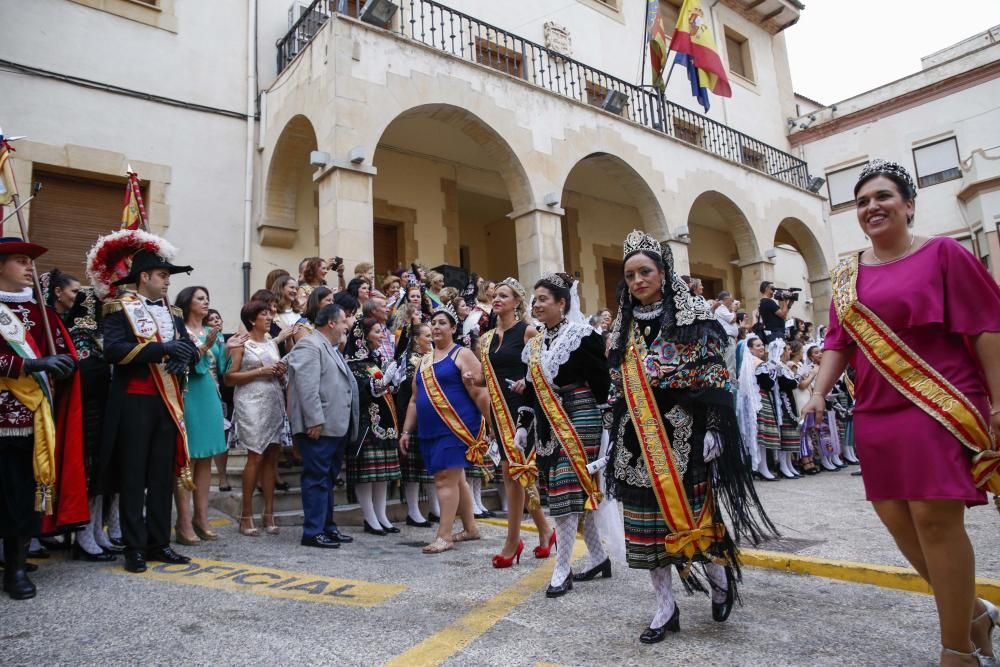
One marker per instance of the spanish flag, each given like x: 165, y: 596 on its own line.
x: 133, y: 211
x: 694, y: 45
x: 658, y: 48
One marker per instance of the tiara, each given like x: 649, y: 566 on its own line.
x: 555, y: 279
x: 447, y: 311
x: 879, y: 167
x: 638, y: 240
x: 515, y: 285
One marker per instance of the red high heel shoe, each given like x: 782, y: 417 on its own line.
x: 543, y: 552
x: 500, y: 562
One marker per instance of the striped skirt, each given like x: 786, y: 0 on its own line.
x: 767, y: 427
x: 411, y: 464
x: 378, y: 461
x: 566, y: 496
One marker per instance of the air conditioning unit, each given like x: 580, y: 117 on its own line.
x: 296, y: 10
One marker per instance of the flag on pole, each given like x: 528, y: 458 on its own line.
x: 134, y: 212
x: 657, y: 42
x: 695, y: 47
x: 7, y: 186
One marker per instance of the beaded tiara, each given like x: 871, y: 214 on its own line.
x: 447, y: 311
x: 638, y: 240
x: 555, y: 279
x: 879, y: 167
x: 515, y: 285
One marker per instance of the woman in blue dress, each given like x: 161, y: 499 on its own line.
x: 202, y: 415
x: 449, y: 408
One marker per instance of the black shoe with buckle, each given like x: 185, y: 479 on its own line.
x: 656, y: 635
x: 560, y: 590
x: 134, y: 561
x: 167, y: 555
x: 321, y: 541
x: 604, y: 569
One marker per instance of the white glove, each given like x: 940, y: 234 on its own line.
x: 521, y: 439
x: 400, y: 377
x: 713, y: 446
x: 389, y: 373
x: 599, y: 464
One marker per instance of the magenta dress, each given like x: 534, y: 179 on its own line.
x: 934, y: 300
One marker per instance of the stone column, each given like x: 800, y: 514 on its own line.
x: 346, y: 210
x: 822, y: 295
x: 682, y: 260
x: 752, y: 274
x: 539, y: 243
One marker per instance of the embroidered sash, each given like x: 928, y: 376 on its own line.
x: 689, y: 535
x: 146, y: 331
x: 442, y: 406
x: 914, y: 378
x: 35, y: 394
x: 561, y: 425
x: 523, y: 470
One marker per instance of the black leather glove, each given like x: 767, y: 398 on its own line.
x: 180, y: 350
x: 58, y: 366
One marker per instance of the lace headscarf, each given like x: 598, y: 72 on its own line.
x: 748, y: 401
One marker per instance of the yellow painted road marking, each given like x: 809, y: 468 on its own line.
x: 272, y: 582
x: 447, y: 642
x: 886, y: 576
x: 219, y: 522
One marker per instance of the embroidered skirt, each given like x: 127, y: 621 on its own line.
x: 378, y: 461
x: 565, y: 494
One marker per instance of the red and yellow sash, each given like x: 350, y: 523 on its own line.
x: 167, y: 385
x: 914, y: 378
x: 522, y: 469
x: 477, y: 445
x: 561, y: 425
x: 689, y: 535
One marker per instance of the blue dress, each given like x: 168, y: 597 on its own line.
x: 203, y: 404
x: 440, y: 447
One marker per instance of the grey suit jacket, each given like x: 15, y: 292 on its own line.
x: 322, y: 388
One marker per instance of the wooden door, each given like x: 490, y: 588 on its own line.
x: 613, y: 271
x: 68, y: 216
x: 386, y: 239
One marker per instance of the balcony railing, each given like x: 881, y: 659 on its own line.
x: 465, y: 37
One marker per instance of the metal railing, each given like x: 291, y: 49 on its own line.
x: 468, y: 38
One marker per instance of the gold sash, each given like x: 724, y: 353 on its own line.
x: 442, y: 406
x: 561, y: 425
x: 166, y: 384
x: 523, y: 470
x: 689, y: 535
x: 914, y: 378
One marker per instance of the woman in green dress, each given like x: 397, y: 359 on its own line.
x: 202, y: 415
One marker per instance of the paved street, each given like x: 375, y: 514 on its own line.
x: 268, y: 600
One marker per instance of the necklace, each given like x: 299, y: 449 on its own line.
x: 554, y: 331
x: 904, y: 254
x: 648, y: 313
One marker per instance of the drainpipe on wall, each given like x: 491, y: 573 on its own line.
x: 248, y: 183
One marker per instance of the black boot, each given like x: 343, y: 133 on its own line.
x: 15, y: 579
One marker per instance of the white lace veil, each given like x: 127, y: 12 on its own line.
x: 575, y: 315
x: 748, y: 402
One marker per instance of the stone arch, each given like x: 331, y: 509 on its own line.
x: 289, y: 202
x: 792, y: 231
x: 482, y: 133
x: 720, y: 210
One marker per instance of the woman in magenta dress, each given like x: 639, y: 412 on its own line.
x: 935, y: 298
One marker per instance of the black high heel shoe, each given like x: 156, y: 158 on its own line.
x: 373, y: 531
x: 721, y: 610
x: 79, y: 553
x: 561, y: 589
x: 656, y: 635
x: 604, y: 569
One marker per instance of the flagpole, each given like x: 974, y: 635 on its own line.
x: 645, y: 46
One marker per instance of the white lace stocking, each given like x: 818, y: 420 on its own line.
x: 97, y: 522
x: 476, y: 484
x: 565, y: 538
x: 592, y: 537
x: 115, y: 520
x: 364, y: 493
x: 433, y: 506
x: 662, y: 588
x: 380, y: 493
x: 717, y: 575
x: 85, y: 537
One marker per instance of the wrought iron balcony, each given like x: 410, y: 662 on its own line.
x: 465, y: 37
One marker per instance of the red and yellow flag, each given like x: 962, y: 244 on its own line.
x: 694, y: 44
x: 133, y: 211
x: 657, y: 42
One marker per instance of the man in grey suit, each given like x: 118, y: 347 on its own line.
x: 323, y: 410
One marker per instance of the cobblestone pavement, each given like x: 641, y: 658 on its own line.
x: 269, y: 600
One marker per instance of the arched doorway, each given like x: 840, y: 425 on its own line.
x: 604, y: 198
x: 288, y: 226
x: 446, y: 186
x: 723, y: 249
x: 800, y: 263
